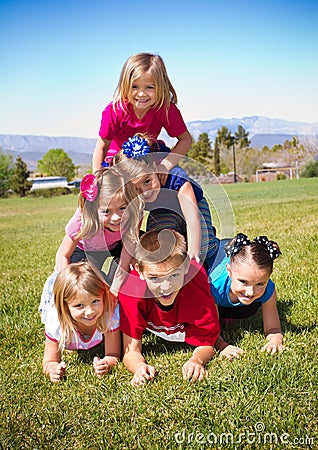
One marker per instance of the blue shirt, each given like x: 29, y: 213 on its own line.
x: 220, y: 284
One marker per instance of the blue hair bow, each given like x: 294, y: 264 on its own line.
x: 136, y: 147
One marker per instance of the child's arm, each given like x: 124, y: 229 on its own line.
x: 189, y: 207
x: 112, y: 354
x: 64, y: 253
x: 121, y: 271
x: 52, y: 365
x: 101, y: 147
x: 135, y: 362
x: 172, y: 159
x: 194, y: 369
x: 227, y: 350
x: 272, y: 328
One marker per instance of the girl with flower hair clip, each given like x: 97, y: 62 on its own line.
x: 144, y: 102
x: 83, y: 317
x: 177, y: 204
x: 106, y: 223
x: 241, y: 284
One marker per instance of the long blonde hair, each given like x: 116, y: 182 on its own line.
x: 110, y: 183
x: 75, y: 279
x: 141, y: 64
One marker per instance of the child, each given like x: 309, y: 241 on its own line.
x: 171, y: 298
x: 82, y: 317
x: 144, y: 102
x: 178, y: 204
x: 107, y: 216
x: 241, y: 283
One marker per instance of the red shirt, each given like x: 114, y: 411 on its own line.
x: 192, y: 319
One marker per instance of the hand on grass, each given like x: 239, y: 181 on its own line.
x: 56, y: 370
x: 230, y: 352
x: 274, y: 344
x: 193, y: 371
x: 143, y: 373
x: 103, y: 366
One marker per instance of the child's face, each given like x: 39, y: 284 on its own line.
x: 248, y: 282
x: 148, y: 187
x: 164, y: 280
x: 143, y: 95
x: 111, y: 212
x: 86, y: 309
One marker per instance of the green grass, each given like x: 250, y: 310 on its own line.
x: 228, y: 410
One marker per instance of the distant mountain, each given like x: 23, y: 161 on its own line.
x: 262, y: 131
x: 32, y: 148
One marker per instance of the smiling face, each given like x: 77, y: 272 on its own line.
x: 142, y: 94
x: 148, y: 187
x: 164, y: 280
x: 111, y: 212
x: 248, y: 282
x: 85, y: 310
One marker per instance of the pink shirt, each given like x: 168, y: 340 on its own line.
x: 118, y: 125
x: 103, y: 240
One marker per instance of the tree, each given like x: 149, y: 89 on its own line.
x: 57, y: 162
x: 5, y: 172
x: 310, y: 170
x: 241, y: 137
x: 224, y: 140
x: 201, y: 152
x: 19, y: 179
x: 217, y: 164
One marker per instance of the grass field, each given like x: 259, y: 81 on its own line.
x: 257, y: 402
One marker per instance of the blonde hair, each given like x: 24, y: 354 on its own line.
x: 133, y: 168
x: 138, y: 65
x: 159, y: 246
x: 71, y: 281
x: 110, y: 183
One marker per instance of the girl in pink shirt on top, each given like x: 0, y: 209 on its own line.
x: 144, y: 102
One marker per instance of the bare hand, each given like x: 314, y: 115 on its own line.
x: 195, y: 257
x: 273, y: 347
x: 230, y: 352
x: 193, y: 371
x: 101, y: 366
x: 56, y: 371
x: 143, y: 373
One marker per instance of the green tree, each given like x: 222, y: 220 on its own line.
x: 5, y: 172
x: 19, y: 179
x: 310, y: 170
x: 241, y: 137
x: 57, y: 162
x: 201, y: 152
x: 224, y: 139
x: 217, y: 164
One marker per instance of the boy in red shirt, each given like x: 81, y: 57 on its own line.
x: 169, y: 296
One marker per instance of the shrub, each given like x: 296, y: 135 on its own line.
x: 310, y: 170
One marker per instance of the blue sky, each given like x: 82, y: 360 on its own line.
x: 61, y: 60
